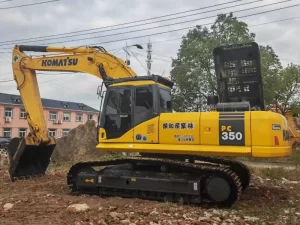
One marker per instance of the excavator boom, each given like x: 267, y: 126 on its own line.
x: 30, y: 156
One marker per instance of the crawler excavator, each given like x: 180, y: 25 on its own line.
x: 181, y: 154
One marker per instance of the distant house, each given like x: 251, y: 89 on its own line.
x: 60, y: 116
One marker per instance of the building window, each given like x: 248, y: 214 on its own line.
x: 8, y: 112
x: 67, y: 117
x: 53, y: 115
x: 52, y: 132
x: 78, y: 117
x: 90, y: 116
x: 7, y: 132
x: 22, y: 113
x: 65, y: 132
x: 22, y: 132
x: 80, y: 106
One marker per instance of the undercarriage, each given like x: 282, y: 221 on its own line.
x: 203, y: 180
x: 186, y: 179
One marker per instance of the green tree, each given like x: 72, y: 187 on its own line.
x: 270, y: 69
x: 193, y: 71
x: 289, y: 88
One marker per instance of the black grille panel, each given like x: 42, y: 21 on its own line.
x: 239, y: 74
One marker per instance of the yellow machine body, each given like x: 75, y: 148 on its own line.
x: 247, y: 134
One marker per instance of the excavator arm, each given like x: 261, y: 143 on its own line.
x: 30, y: 155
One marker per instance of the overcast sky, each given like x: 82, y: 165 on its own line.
x: 76, y: 15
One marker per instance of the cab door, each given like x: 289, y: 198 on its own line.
x: 146, y: 114
x: 117, y: 119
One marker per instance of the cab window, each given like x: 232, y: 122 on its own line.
x: 165, y: 100
x: 143, y: 104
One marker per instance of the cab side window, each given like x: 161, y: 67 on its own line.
x: 143, y: 104
x: 165, y: 100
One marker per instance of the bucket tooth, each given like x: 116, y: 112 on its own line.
x: 28, y: 160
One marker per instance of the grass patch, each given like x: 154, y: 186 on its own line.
x: 277, y: 173
x: 293, y: 159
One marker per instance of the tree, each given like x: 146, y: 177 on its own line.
x: 270, y: 69
x: 289, y: 89
x: 193, y: 71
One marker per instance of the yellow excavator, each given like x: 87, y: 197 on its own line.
x: 180, y: 153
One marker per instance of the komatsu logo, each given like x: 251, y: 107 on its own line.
x: 60, y: 62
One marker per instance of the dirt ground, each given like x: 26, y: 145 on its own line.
x: 46, y: 200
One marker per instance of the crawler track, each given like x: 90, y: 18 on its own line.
x: 239, y: 168
x: 174, y: 181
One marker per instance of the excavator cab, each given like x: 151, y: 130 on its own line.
x: 129, y: 102
x: 239, y: 78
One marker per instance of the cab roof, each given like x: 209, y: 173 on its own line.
x: 155, y: 78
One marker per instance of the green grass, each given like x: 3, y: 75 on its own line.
x: 277, y: 173
x: 293, y: 159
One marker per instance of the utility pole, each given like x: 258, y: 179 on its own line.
x: 149, y: 60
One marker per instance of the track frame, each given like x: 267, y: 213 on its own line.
x: 209, y: 178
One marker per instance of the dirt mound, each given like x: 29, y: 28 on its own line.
x: 3, y: 159
x: 79, y: 144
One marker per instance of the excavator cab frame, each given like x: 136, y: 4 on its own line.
x: 145, y: 101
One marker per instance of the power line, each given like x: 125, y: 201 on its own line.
x: 174, y: 39
x: 188, y: 28
x: 120, y: 28
x: 179, y: 29
x: 167, y: 40
x: 126, y: 32
x: 4, y: 81
x: 152, y: 18
x: 150, y: 28
x: 152, y: 57
x: 37, y: 3
x: 290, y: 60
x: 138, y: 60
x: 4, y: 74
x: 6, y: 1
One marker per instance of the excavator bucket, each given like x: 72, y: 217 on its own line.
x: 27, y: 161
